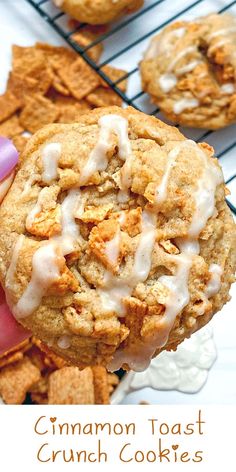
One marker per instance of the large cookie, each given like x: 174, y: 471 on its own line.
x: 115, y: 238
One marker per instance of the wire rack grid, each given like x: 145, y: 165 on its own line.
x: 124, y: 44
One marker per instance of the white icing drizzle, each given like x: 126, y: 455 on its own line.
x: 188, y: 68
x: 80, y: 204
x: 112, y: 248
x: 180, y: 55
x: 205, y: 194
x: 214, y: 283
x: 163, y: 44
x: 64, y: 342
x: 28, y: 184
x: 45, y: 271
x: 37, y: 208
x: 218, y: 44
x: 5, y: 185
x: 222, y: 32
x: 161, y: 190
x: 143, y: 255
x: 123, y: 196
x: 12, y: 267
x: 117, y: 289
x: 185, y: 103
x: 227, y: 37
x: 178, y: 297
x: 227, y: 89
x: 167, y: 82
x: 98, y: 161
x: 50, y: 157
x: 70, y: 230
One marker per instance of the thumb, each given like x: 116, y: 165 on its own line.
x: 11, y: 333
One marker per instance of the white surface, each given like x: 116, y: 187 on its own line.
x: 21, y: 25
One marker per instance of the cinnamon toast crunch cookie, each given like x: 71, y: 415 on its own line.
x: 115, y: 238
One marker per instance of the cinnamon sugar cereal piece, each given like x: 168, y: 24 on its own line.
x: 70, y: 113
x: 38, y: 111
x: 41, y: 386
x: 79, y: 78
x: 70, y: 386
x: 57, y: 56
x: 47, y: 221
x: 94, y: 214
x: 10, y: 358
x: 59, y: 86
x: 23, y: 86
x: 97, y: 12
x: 37, y: 357
x: 84, y: 39
x: 102, y: 97
x: 16, y: 379
x: 22, y: 346
x: 20, y: 142
x: 9, y: 104
x: 31, y: 62
x: 132, y: 222
x: 11, y: 127
x: 39, y: 398
x: 99, y: 236
x: 113, y: 381
x: 115, y: 74
x: 101, y: 387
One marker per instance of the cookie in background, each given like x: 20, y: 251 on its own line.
x: 189, y: 70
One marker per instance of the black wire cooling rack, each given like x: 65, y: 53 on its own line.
x: 124, y: 43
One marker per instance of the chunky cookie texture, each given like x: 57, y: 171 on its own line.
x: 115, y: 238
x: 189, y: 70
x: 96, y: 12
